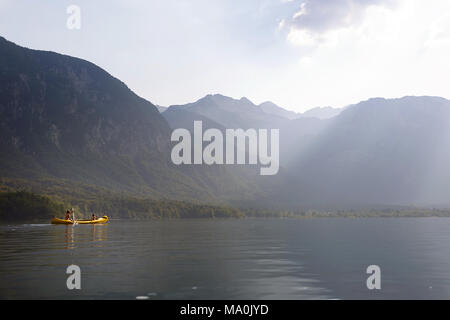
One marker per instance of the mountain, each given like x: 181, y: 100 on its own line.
x: 379, y: 151
x: 221, y: 112
x: 66, y: 124
x: 67, y: 121
x: 184, y: 117
x: 232, y: 113
x: 321, y: 113
x: 57, y: 109
x: 271, y: 108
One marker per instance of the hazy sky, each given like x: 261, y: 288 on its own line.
x: 297, y: 53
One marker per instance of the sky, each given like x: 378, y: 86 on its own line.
x: 299, y: 54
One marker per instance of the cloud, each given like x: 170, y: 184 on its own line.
x: 389, y: 51
x: 315, y: 18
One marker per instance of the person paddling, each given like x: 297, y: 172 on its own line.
x: 94, y: 217
x: 68, y: 213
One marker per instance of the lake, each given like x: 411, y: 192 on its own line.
x: 228, y: 259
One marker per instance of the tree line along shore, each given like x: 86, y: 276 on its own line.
x: 28, y: 206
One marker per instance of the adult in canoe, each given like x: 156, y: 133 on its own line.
x: 68, y: 215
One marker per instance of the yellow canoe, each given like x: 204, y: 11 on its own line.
x: 103, y: 219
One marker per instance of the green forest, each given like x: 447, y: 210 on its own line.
x: 24, y: 206
x: 29, y: 206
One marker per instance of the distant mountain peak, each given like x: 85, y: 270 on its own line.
x: 271, y: 108
x: 246, y: 100
x: 232, y: 113
x: 214, y: 98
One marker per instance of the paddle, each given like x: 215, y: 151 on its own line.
x: 73, y: 218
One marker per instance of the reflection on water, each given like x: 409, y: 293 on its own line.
x: 69, y: 237
x: 228, y: 259
x: 98, y: 233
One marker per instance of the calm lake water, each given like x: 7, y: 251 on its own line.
x: 228, y: 259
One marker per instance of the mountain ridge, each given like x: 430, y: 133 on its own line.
x: 66, y: 118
